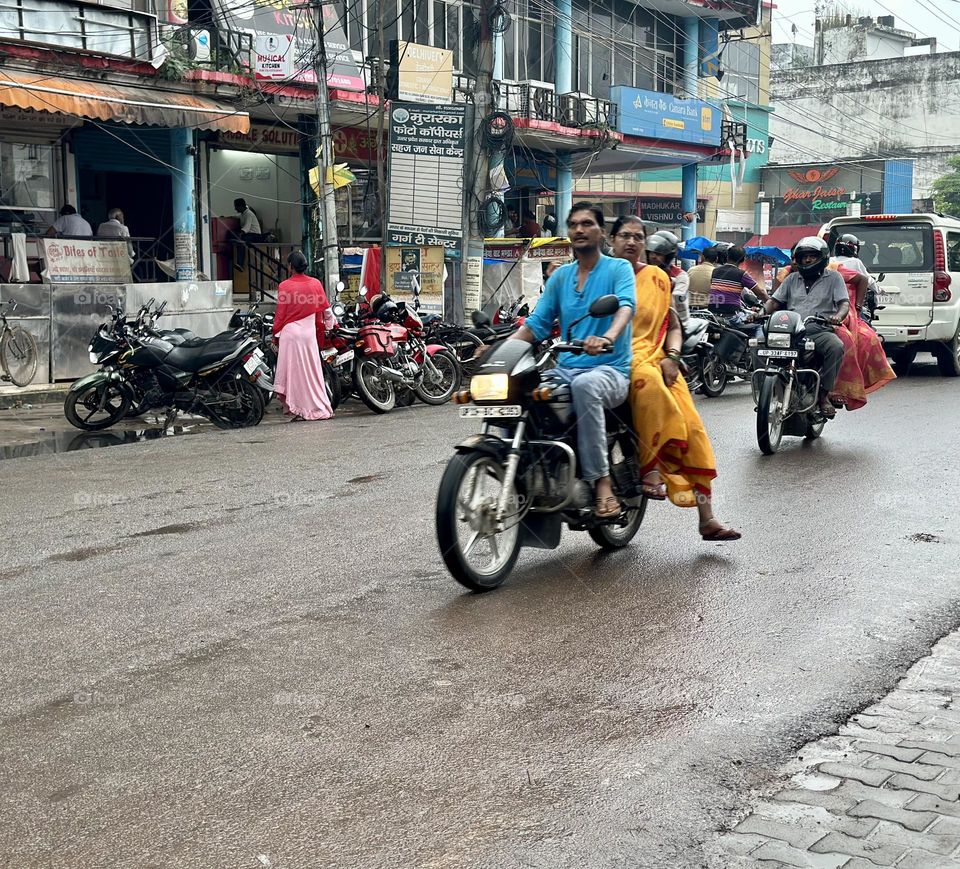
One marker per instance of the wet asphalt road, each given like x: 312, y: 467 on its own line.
x: 241, y: 649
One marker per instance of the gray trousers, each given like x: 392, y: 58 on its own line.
x: 830, y: 351
x: 593, y: 389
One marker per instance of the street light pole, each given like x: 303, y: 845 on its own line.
x: 325, y: 161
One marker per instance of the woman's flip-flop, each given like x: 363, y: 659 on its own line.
x: 719, y: 533
x: 654, y: 491
x: 604, y: 511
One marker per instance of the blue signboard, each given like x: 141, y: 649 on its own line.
x: 662, y: 116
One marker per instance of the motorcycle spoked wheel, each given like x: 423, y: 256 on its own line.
x: 96, y: 406
x: 713, y: 376
x: 618, y: 536
x: 477, y: 557
x: 375, y: 392
x: 246, y: 408
x: 440, y: 393
x: 770, y: 414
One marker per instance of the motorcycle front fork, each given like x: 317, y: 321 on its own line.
x: 510, y: 476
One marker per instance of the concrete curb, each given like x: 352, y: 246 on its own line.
x: 12, y: 397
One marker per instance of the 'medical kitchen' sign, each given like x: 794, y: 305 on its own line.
x: 654, y: 115
x: 425, y: 167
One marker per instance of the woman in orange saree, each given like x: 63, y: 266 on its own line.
x: 675, y: 454
x: 865, y: 368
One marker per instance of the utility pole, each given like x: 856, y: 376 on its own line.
x: 325, y: 162
x: 478, y: 163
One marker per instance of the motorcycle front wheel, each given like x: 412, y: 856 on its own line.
x: 440, y: 393
x: 770, y: 415
x: 714, y: 376
x: 375, y: 392
x: 96, y: 406
x: 477, y: 556
x: 245, y: 406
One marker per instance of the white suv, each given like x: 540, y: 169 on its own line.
x: 918, y: 257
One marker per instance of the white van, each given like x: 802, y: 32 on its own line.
x: 918, y: 256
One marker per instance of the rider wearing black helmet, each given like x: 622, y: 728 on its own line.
x: 847, y: 245
x: 662, y: 248
x: 814, y: 290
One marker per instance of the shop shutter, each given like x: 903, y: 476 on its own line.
x: 122, y: 149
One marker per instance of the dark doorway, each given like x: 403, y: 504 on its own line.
x: 145, y: 198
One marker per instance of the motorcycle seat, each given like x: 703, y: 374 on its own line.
x: 695, y: 326
x: 198, y: 354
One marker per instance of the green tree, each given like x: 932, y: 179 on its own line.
x: 946, y: 189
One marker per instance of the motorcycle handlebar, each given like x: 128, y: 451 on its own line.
x: 576, y: 347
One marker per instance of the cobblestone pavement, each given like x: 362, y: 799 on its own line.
x: 884, y: 792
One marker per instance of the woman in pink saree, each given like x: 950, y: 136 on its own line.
x: 865, y: 368
x: 301, y: 302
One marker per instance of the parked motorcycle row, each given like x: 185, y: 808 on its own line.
x: 382, y: 353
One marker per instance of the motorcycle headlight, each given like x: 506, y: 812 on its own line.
x: 490, y: 387
x: 779, y: 339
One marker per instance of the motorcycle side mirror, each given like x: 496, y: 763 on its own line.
x: 479, y: 319
x: 881, y: 277
x: 605, y: 306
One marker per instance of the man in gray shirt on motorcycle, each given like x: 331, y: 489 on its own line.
x: 812, y: 290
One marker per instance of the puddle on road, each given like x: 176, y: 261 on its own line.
x: 67, y: 441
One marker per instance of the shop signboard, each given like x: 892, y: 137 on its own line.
x: 262, y: 138
x: 655, y: 115
x: 86, y: 261
x: 425, y: 168
x: 424, y: 74
x: 666, y: 209
x: 283, y: 38
x: 356, y: 144
x: 815, y: 193
x: 417, y: 273
x: 508, y: 250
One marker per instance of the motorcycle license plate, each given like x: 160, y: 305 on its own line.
x: 507, y: 410
x: 779, y: 354
x: 251, y: 365
x: 344, y: 357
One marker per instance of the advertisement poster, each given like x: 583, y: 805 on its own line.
x: 72, y: 261
x: 425, y: 168
x: 416, y: 273
x: 661, y: 116
x: 424, y: 74
x: 283, y: 36
x: 472, y: 284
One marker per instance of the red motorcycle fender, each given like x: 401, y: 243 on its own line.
x: 433, y: 349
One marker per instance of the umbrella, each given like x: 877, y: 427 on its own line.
x: 768, y: 253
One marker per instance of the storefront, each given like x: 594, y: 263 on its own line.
x: 798, y: 199
x: 358, y: 204
x: 263, y: 168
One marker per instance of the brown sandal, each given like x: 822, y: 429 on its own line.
x: 654, y: 491
x: 719, y: 533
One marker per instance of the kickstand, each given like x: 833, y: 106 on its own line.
x: 170, y: 418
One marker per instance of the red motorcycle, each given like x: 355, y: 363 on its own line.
x: 391, y: 357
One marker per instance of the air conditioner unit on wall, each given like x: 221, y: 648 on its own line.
x: 570, y: 110
x: 539, y: 100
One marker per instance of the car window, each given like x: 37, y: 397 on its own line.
x: 892, y: 247
x: 953, y: 251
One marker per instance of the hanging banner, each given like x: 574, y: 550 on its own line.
x: 425, y: 168
x: 86, y: 261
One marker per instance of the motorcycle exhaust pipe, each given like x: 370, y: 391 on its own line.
x: 391, y: 374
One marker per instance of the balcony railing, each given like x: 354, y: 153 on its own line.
x: 120, y: 30
x: 211, y: 47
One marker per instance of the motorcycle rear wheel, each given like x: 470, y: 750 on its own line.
x: 332, y: 381
x: 81, y: 407
x: 465, y: 510
x: 440, y: 393
x: 249, y: 410
x: 375, y: 392
x: 770, y: 415
x: 713, y: 376
x: 814, y: 429
x: 618, y: 536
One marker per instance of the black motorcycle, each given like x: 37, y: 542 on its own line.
x: 215, y: 378
x: 788, y: 387
x: 516, y: 483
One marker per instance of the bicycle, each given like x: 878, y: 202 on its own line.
x: 18, y: 351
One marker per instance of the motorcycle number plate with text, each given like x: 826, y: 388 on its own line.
x: 251, y: 365
x: 344, y: 358
x: 779, y: 354
x: 487, y: 412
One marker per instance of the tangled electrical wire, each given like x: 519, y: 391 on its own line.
x: 492, y: 214
x: 497, y: 131
x: 500, y: 19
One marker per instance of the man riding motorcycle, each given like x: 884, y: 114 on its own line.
x: 813, y: 290
x: 596, y: 381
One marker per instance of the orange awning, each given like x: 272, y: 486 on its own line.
x: 100, y: 101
